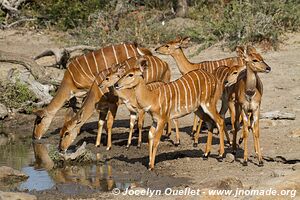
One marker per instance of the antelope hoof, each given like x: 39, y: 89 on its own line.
x: 220, y: 158
x: 127, y: 147
x: 234, y: 152
x: 177, y: 144
x: 195, y: 144
x: 108, y: 148
x: 240, y: 140
x: 245, y: 163
x: 138, y: 146
x: 205, y: 156
x: 261, y: 163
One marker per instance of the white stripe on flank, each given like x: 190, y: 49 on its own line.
x: 185, y: 94
x: 178, y: 93
x: 115, y: 54
x: 104, y: 59
x: 126, y: 50
x: 206, y: 86
x: 199, y: 92
x: 166, y: 97
x: 163, y: 65
x: 88, y: 66
x: 192, y: 81
x: 97, y: 68
x: 134, y: 51
x: 140, y: 52
x: 83, y: 70
x: 218, y: 64
x: 175, y: 95
x: 191, y: 98
x: 73, y: 77
x: 171, y: 95
x: 159, y: 101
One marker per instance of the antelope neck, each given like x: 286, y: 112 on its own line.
x: 250, y: 82
x: 184, y: 65
x: 145, y: 97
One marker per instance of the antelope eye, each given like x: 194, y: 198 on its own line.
x: 167, y: 46
x: 255, y: 61
x: 130, y: 75
x: 66, y: 134
x: 234, y: 72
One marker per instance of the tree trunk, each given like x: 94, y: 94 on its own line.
x: 181, y: 8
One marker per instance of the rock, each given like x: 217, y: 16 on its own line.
x: 11, y: 175
x: 294, y: 133
x: 229, y: 158
x: 230, y: 183
x: 3, y: 111
x: 16, y: 196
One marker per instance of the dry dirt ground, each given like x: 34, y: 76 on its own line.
x: 181, y: 167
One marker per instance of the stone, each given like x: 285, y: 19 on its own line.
x: 295, y: 133
x: 3, y: 111
x: 17, y: 196
x: 12, y: 175
x: 230, y: 183
x: 229, y: 158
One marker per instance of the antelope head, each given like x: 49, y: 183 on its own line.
x: 70, y: 130
x: 170, y: 47
x: 133, y: 76
x: 41, y: 124
x: 253, y: 59
x: 233, y: 75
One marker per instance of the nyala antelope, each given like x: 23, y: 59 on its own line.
x: 247, y: 96
x: 107, y: 102
x: 80, y: 75
x: 195, y: 91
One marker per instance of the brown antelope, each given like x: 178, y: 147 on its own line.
x: 196, y: 91
x: 107, y: 102
x: 80, y: 74
x: 247, y: 93
x: 128, y: 97
x: 226, y: 77
x: 174, y: 48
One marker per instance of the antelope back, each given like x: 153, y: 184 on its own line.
x: 157, y: 70
x: 84, y: 68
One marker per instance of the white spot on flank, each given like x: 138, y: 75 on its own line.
x: 146, y: 109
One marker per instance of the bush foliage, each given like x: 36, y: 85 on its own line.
x: 234, y: 22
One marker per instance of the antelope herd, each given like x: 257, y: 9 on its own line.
x: 128, y: 74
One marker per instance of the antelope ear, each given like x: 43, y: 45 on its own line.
x: 178, y: 38
x: 240, y: 51
x: 69, y: 114
x: 39, y: 113
x: 184, y: 42
x: 251, y: 50
x: 142, y: 64
x: 121, y: 71
x: 79, y: 116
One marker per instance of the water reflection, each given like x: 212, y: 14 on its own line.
x: 35, y: 161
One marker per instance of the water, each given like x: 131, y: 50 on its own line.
x: 33, y: 160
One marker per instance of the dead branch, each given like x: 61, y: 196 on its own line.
x: 17, y: 22
x: 38, y: 72
x: 277, y: 115
x: 62, y: 55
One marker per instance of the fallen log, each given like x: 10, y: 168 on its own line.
x: 277, y: 115
x: 38, y: 72
x: 63, y: 55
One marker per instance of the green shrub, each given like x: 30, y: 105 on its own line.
x: 15, y: 95
x: 240, y: 22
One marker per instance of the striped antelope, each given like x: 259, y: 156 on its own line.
x: 107, y: 102
x: 195, y: 91
x: 129, y: 98
x: 248, y: 92
x: 174, y: 48
x: 80, y: 75
x: 226, y: 76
